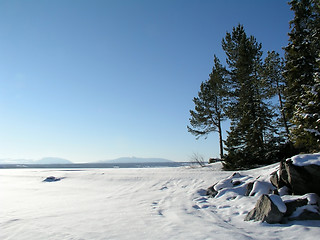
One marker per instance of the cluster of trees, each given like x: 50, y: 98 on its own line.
x: 273, y: 104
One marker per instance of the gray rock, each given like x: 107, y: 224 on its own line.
x: 298, y: 179
x: 52, y: 179
x: 235, y: 183
x: 314, y: 175
x: 283, y: 175
x: 274, y: 179
x: 211, y: 192
x: 293, y: 205
x: 249, y: 188
x: 265, y: 210
x: 306, y: 215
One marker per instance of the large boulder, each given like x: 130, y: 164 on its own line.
x: 298, y: 179
x: 268, y: 208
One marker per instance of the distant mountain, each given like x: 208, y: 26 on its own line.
x: 47, y: 160
x: 52, y: 160
x: 16, y: 161
x: 137, y: 160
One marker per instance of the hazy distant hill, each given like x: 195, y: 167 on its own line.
x: 137, y: 160
x: 52, y: 160
x: 16, y: 161
x: 47, y: 160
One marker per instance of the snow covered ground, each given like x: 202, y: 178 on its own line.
x: 146, y: 203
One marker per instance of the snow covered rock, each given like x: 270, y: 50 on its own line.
x: 307, y: 212
x: 249, y: 188
x: 236, y: 184
x: 51, y: 179
x: 291, y: 193
x: 211, y: 192
x: 268, y: 208
x: 300, y: 174
x: 261, y: 187
x: 293, y: 205
x: 304, y: 207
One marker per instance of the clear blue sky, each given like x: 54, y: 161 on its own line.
x: 100, y: 79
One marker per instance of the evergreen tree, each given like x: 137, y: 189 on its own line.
x: 251, y: 134
x: 273, y: 69
x: 209, y: 113
x: 307, y: 115
x: 302, y: 72
x: 300, y: 58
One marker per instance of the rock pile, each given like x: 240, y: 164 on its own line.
x: 289, y: 193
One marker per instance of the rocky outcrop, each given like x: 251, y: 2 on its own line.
x: 298, y: 179
x: 291, y: 193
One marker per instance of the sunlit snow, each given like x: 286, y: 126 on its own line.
x: 145, y: 203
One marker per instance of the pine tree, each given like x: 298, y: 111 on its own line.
x: 209, y: 105
x: 307, y: 115
x: 273, y: 69
x: 299, y: 55
x: 251, y: 134
x: 302, y: 73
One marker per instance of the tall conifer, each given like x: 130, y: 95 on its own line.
x: 209, y: 105
x: 302, y: 74
x: 273, y: 75
x: 251, y: 130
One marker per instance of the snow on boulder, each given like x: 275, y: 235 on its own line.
x: 304, y: 207
x: 228, y: 182
x: 307, y: 212
x: 234, y: 185
x: 292, y: 205
x: 262, y: 187
x: 306, y: 159
x: 300, y: 174
x: 291, y: 193
x: 313, y: 199
x: 276, y: 199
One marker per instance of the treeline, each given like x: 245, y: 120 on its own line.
x: 273, y: 104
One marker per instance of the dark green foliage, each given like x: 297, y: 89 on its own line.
x: 251, y: 132
x: 209, y: 113
x: 300, y: 58
x: 306, y: 133
x: 273, y: 76
x: 302, y: 74
x: 261, y: 132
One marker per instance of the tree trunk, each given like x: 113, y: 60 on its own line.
x: 220, y: 139
x: 282, y: 112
